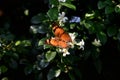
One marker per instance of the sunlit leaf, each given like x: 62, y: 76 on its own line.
x: 17, y: 43
x: 26, y: 42
x: 42, y: 42
x: 71, y: 6
x: 26, y: 12
x: 50, y: 55
x: 90, y: 15
x: 54, y: 72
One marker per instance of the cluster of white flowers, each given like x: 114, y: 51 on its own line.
x: 74, y: 42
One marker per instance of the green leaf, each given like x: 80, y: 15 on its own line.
x: 41, y: 42
x: 3, y: 69
x: 17, y: 43
x: 101, y: 5
x: 53, y: 73
x: 54, y: 2
x: 42, y: 29
x: 109, y: 2
x: 90, y: 15
x: 53, y: 14
x: 117, y: 8
x: 50, y: 55
x: 102, y: 37
x: 8, y: 36
x: 71, y: 6
x: 26, y: 12
x: 109, y: 9
x: 89, y: 25
x: 39, y: 18
x: 111, y: 31
x: 43, y: 63
x: 26, y: 42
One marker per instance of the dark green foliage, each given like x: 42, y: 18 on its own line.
x: 26, y: 24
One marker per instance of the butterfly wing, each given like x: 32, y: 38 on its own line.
x: 57, y: 30
x: 60, y: 33
x: 63, y: 44
x: 57, y: 43
x: 52, y: 41
x: 66, y: 37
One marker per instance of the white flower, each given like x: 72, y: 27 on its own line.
x: 62, y: 0
x: 62, y: 17
x: 74, y: 42
x: 81, y: 44
x: 64, y: 51
x: 96, y: 42
x: 73, y: 35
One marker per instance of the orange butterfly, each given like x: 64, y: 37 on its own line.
x: 61, y: 38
